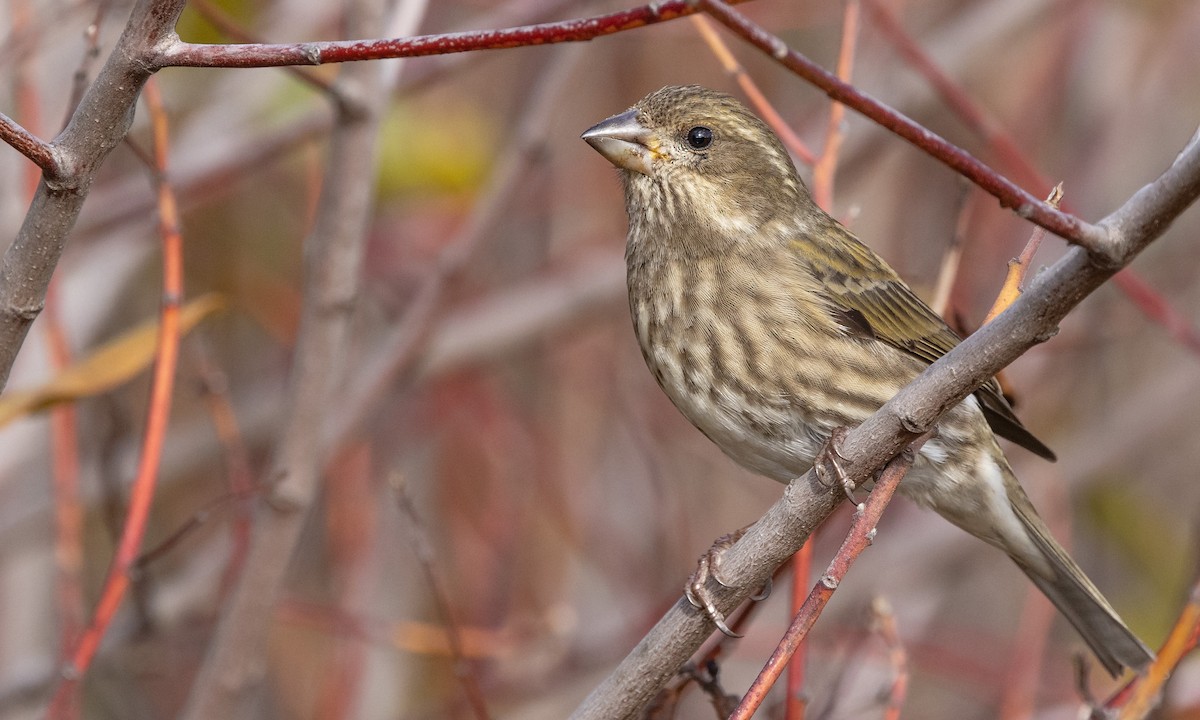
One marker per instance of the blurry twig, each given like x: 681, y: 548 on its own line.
x: 424, y: 552
x: 351, y: 519
x: 948, y: 271
x: 214, y: 390
x: 760, y: 102
x: 409, y: 637
x: 158, y: 416
x: 883, y: 621
x: 91, y: 51
x: 826, y: 166
x: 401, y: 352
x: 860, y: 536
x: 227, y: 25
x: 234, y: 669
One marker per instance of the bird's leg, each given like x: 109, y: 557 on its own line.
x: 829, y: 462
x: 709, y: 566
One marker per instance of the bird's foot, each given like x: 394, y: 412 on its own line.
x: 709, y: 566
x: 829, y: 463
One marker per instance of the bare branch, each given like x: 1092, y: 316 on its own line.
x: 99, y: 124
x: 181, y: 54
x: 29, y: 145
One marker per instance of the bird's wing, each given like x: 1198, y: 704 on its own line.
x: 872, y: 300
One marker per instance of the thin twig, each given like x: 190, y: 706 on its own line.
x: 1147, y: 690
x: 883, y: 621
x: 860, y: 536
x: 181, y: 54
x: 826, y: 166
x: 158, y: 415
x: 441, y: 598
x: 1018, y: 267
x: 29, y: 145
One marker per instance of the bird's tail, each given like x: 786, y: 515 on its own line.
x: 1115, y: 645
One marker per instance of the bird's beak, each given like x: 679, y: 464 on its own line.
x: 624, y: 141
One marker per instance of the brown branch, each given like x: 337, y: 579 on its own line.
x: 1032, y: 319
x: 181, y: 54
x: 37, y: 150
x: 234, y: 670
x: 97, y: 126
x: 1010, y: 194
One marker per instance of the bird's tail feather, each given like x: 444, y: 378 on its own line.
x: 1115, y: 645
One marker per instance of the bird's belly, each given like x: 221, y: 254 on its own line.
x: 763, y: 429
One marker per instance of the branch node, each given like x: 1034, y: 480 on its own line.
x: 829, y: 581
x: 311, y: 53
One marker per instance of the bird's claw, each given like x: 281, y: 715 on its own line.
x: 829, y: 462
x: 709, y: 566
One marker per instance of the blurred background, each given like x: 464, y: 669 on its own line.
x: 563, y: 498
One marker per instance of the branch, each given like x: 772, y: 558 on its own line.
x: 251, y: 55
x: 805, y: 504
x: 29, y: 145
x: 99, y: 124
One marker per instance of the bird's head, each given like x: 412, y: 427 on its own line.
x: 690, y: 153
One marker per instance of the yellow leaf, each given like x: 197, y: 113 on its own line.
x: 112, y: 364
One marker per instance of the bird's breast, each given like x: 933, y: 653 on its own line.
x: 748, y: 355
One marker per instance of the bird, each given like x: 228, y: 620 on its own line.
x: 771, y: 328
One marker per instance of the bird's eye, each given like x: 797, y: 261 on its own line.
x: 699, y: 137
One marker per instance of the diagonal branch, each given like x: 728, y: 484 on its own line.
x: 1032, y: 319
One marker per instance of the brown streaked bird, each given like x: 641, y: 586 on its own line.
x: 770, y: 326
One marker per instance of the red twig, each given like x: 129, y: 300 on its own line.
x: 795, y: 707
x: 826, y: 166
x: 181, y: 54
x: 862, y: 532
x: 157, y: 416
x: 1067, y: 226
